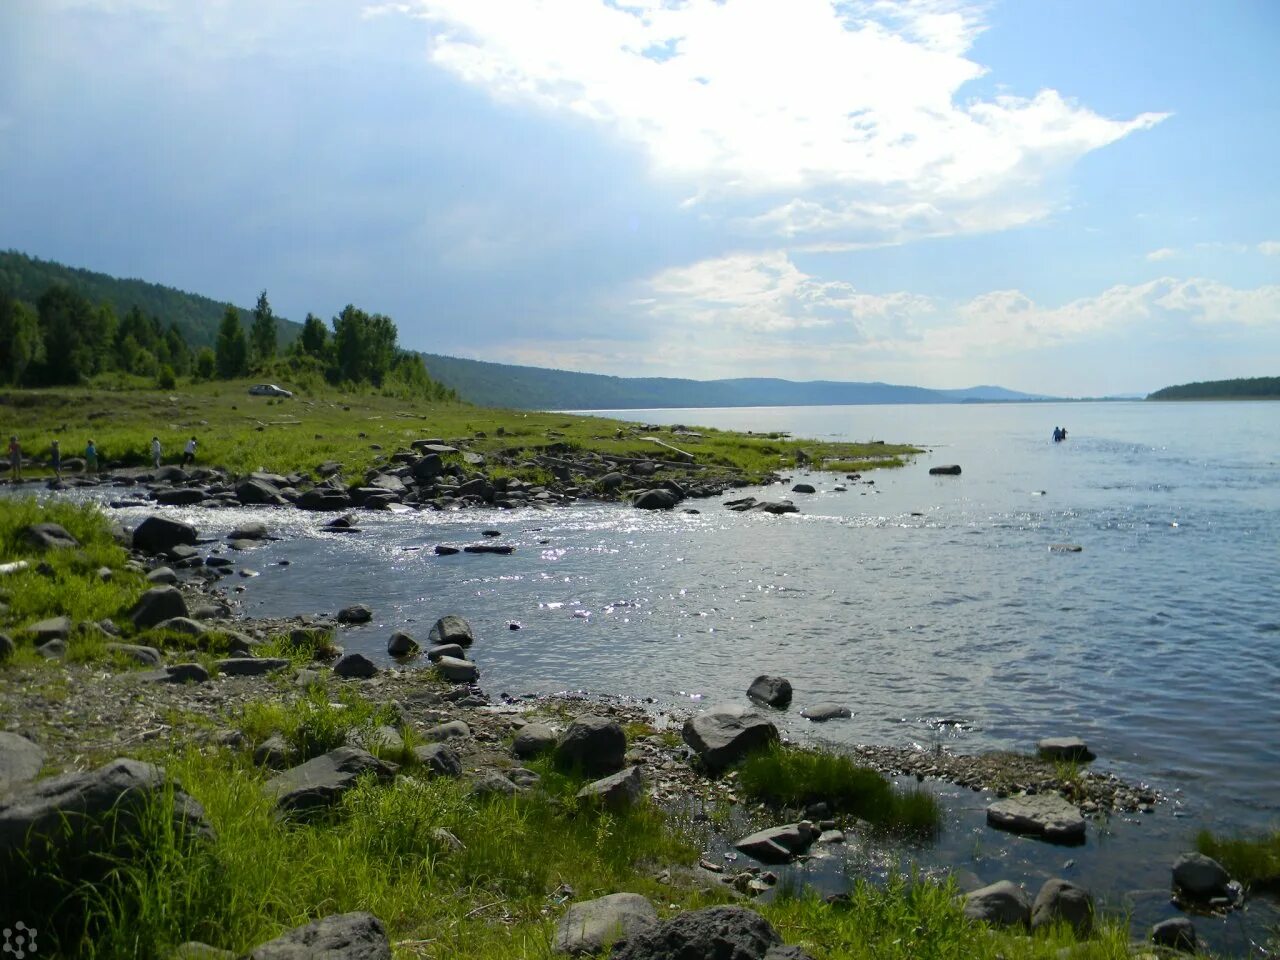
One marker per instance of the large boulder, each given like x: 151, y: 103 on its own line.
x: 1045, y: 815
x: 596, y: 744
x: 616, y: 791
x: 95, y: 812
x: 1060, y: 901
x: 54, y: 628
x: 775, y: 691
x: 401, y: 644
x: 321, y: 781
x: 1070, y: 749
x: 355, y: 666
x: 714, y: 933
x: 438, y: 760
x: 158, y: 534
x: 532, y: 740
x: 456, y: 670
x: 428, y: 468
x: 256, y: 490
x: 660, y: 499
x: 356, y: 613
x: 1176, y: 933
x: 778, y: 844
x: 182, y: 497
x: 1002, y: 904
x: 49, y: 536
x: 451, y: 629
x: 345, y: 936
x: 590, y: 926
x: 157, y: 605
x: 20, y: 761
x: 724, y: 735
x: 1200, y: 877
x: 323, y: 499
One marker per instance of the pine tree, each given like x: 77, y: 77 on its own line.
x: 232, y: 347
x: 263, y: 331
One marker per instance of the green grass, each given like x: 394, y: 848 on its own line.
x: 796, y: 776
x: 313, y: 723
x: 1254, y: 861
x: 302, y: 646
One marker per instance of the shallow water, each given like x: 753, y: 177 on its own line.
x: 1157, y: 643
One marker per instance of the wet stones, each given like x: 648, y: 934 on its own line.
x: 823, y: 712
x: 451, y: 629
x: 660, y: 499
x: 590, y: 926
x: 774, y: 691
x: 779, y: 844
x: 1200, y: 878
x: 355, y: 614
x: 1071, y: 749
x: 946, y: 470
x: 1001, y: 904
x: 724, y: 735
x: 803, y: 488
x: 1044, y: 815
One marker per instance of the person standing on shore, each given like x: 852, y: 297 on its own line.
x: 189, y: 452
x: 91, y: 457
x: 55, y: 459
x: 155, y: 452
x: 15, y: 459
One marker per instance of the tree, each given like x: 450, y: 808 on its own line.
x: 232, y: 348
x: 70, y: 327
x: 262, y: 333
x: 179, y: 352
x: 206, y: 364
x: 21, y: 346
x: 315, y: 336
x: 364, y: 346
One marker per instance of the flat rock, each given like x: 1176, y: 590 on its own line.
x: 774, y: 691
x: 444, y: 550
x: 822, y: 712
x: 345, y: 936
x: 321, y: 781
x: 446, y: 650
x: 724, y: 735
x: 590, y: 926
x: 1002, y: 904
x: 451, y: 730
x: 20, y: 761
x: 456, y: 670
x: 182, y: 497
x: 594, y: 744
x: 778, y: 844
x: 147, y: 656
x: 183, y: 625
x: 1045, y: 815
x: 251, y: 666
x: 452, y: 629
x: 616, y: 791
x: 49, y: 536
x: 713, y: 933
x: 439, y: 760
x: 176, y: 673
x: 1065, y: 748
x: 54, y: 628
x: 162, y: 575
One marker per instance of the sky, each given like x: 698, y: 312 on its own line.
x: 1074, y: 197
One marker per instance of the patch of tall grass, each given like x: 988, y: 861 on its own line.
x: 313, y: 723
x: 790, y: 776
x: 1254, y: 861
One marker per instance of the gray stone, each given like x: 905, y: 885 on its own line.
x: 822, y: 712
x: 272, y: 752
x: 713, y: 933
x: 251, y: 666
x: 1176, y: 933
x: 491, y: 783
x: 775, y: 691
x: 452, y: 730
x: 176, y: 673
x: 1002, y: 904
x: 946, y: 470
x: 401, y: 644
x: 53, y: 649
x: 446, y: 650
x: 610, y: 482
x: 533, y: 739
x: 356, y: 613
x: 616, y: 791
x: 54, y: 628
x: 49, y: 536
x: 660, y: 499
x: 255, y: 490
x: 778, y: 844
x: 452, y: 629
x: 20, y: 761
x: 346, y: 936
x: 323, y: 499
x: 457, y: 671
x: 183, y: 625
x: 1200, y: 877
x: 156, y: 605
x: 158, y: 534
x: 724, y: 735
x: 597, y: 745
x: 590, y: 926
x: 386, y: 739
x: 162, y: 575
x: 1071, y: 749
x: 354, y: 665
x: 194, y: 950
x: 321, y: 781
x: 1060, y: 901
x: 1045, y: 815
x: 803, y: 488
x: 252, y: 530
x: 439, y: 760
x: 147, y: 656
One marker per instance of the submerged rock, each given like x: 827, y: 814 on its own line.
x: 1200, y: 877
x: 822, y: 712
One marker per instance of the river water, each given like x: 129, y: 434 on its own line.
x: 932, y: 606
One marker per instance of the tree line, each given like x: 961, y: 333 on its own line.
x: 1247, y: 388
x: 64, y: 338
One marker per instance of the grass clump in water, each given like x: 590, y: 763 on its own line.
x: 1254, y: 861
x: 798, y: 776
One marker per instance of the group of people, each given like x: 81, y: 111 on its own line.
x: 90, y: 456
x: 1059, y: 434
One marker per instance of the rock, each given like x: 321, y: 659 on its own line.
x: 1060, y: 901
x: 171, y: 474
x: 1002, y: 904
x: 182, y: 497
x: 490, y: 783
x: 147, y: 656
x: 184, y: 625
x: 323, y: 499
x: 252, y: 530
x: 256, y: 490
x: 439, y: 760
x: 660, y: 499
x: 251, y: 666
x: 775, y: 691
x: 1065, y: 548
x: 345, y: 936
x: 272, y: 752
x: 590, y: 926
x: 452, y: 730
x: 401, y: 644
x: 85, y: 815
x: 1177, y: 933
x: 162, y: 575
x: 444, y: 550
x: 1200, y: 877
x: 428, y: 468
x: 947, y: 470
x: 724, y: 735
x: 803, y: 488
x: 321, y: 781
x: 503, y: 549
x: 595, y: 744
x: 195, y: 950
x: 778, y: 844
x: 54, y: 628
x: 452, y: 629
x: 533, y: 739
x: 822, y: 712
x: 20, y: 761
x: 157, y: 605
x: 616, y: 791
x: 456, y: 670
x: 356, y: 613
x: 328, y: 468
x: 1064, y: 748
x: 7, y: 647
x: 386, y: 740
x: 53, y: 649
x: 610, y: 482
x: 354, y: 665
x: 713, y: 933
x: 1045, y: 815
x: 176, y: 673
x: 446, y: 650
x: 49, y: 536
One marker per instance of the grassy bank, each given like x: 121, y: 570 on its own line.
x: 1254, y: 861
x: 244, y: 433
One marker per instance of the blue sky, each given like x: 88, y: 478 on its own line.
x: 1076, y: 198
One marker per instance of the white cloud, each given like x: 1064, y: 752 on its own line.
x: 1164, y: 253
x: 1269, y: 248
x: 842, y: 121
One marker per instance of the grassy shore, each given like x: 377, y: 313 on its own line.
x: 1254, y: 861
x: 244, y: 433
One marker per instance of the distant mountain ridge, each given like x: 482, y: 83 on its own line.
x: 496, y: 384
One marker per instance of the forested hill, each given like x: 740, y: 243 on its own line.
x: 1251, y: 388
x: 197, y: 318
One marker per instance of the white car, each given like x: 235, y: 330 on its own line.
x: 269, y: 390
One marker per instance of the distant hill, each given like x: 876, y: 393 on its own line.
x: 1252, y: 388
x: 492, y: 384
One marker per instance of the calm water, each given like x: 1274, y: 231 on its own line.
x: 1158, y: 643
